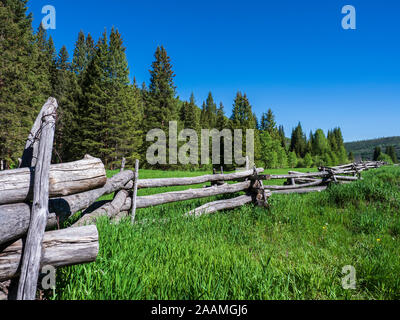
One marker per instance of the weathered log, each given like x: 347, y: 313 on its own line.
x: 295, y: 176
x: 64, y: 207
x: 157, y: 199
x: 30, y: 154
x: 289, y: 187
x: 121, y: 215
x: 14, y: 221
x: 347, y: 178
x: 60, y: 248
x: 110, y: 210
x: 303, y: 190
x: 33, y: 246
x: 65, y: 179
x: 220, y: 205
x: 168, y: 182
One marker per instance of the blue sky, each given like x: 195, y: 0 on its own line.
x: 290, y: 56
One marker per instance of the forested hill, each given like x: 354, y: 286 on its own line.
x: 365, y: 148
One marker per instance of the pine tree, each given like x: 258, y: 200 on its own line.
x: 391, y: 152
x: 93, y: 120
x: 282, y: 136
x: 292, y: 159
x: 243, y: 118
x: 65, y: 90
x: 377, y: 153
x: 210, y: 112
x: 320, y: 144
x: 298, y: 142
x: 23, y: 85
x: 189, y: 115
x: 268, y: 123
x: 161, y: 105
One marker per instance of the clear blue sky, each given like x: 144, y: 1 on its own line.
x: 291, y: 56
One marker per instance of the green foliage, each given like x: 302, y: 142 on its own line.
x: 109, y: 110
x: 365, y: 149
x: 385, y: 157
x: 298, y: 142
x: 308, y: 161
x: 292, y: 159
x: 391, y: 151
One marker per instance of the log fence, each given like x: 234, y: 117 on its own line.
x: 38, y: 196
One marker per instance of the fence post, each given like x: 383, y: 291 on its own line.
x: 33, y: 246
x: 123, y: 164
x: 135, y: 187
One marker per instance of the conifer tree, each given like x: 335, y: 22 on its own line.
x: 210, y: 112
x: 377, y: 153
x: 23, y: 86
x: 298, y: 141
x: 391, y: 152
x: 268, y: 123
x: 161, y: 105
x: 282, y: 136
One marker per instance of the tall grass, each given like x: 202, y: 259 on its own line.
x: 294, y: 250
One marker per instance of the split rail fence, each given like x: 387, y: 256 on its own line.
x: 39, y: 196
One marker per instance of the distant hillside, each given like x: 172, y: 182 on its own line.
x: 365, y: 148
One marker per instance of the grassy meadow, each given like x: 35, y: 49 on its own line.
x: 295, y: 249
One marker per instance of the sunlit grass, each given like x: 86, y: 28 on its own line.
x: 294, y: 250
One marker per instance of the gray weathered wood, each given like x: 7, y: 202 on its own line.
x: 168, y: 197
x: 135, y: 188
x: 121, y: 215
x: 64, y: 207
x: 168, y: 182
x: 109, y: 210
x: 123, y: 164
x: 303, y: 190
x: 60, y: 248
x: 33, y: 246
x: 14, y: 221
x: 65, y: 179
x: 220, y: 205
x: 30, y: 154
x: 289, y: 187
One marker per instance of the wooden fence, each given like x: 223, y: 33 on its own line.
x: 39, y: 196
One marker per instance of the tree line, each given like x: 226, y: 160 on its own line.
x: 388, y: 156
x: 102, y: 113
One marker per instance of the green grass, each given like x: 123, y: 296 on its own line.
x: 294, y: 250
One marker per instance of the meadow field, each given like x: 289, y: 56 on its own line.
x: 295, y: 249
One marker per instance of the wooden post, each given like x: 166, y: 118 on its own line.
x: 33, y: 246
x: 123, y: 164
x: 135, y: 187
x: 2, y: 165
x: 247, y: 163
x: 30, y: 154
